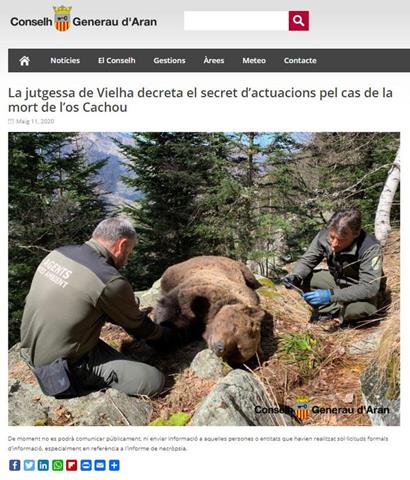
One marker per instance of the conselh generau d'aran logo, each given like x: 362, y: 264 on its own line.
x: 62, y: 18
x: 302, y: 410
x: 63, y: 21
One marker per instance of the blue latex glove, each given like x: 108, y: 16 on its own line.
x: 317, y: 297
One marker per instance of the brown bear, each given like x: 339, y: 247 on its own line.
x: 215, y: 296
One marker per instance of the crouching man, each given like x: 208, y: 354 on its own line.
x: 353, y: 285
x: 75, y: 290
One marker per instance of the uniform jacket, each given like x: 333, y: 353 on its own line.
x: 357, y: 270
x: 74, y: 291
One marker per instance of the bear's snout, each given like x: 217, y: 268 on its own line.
x: 218, y: 348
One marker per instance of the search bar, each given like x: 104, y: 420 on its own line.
x: 292, y: 20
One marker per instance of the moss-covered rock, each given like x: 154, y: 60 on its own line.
x: 178, y: 419
x: 268, y: 292
x: 268, y: 288
x: 207, y: 365
x: 148, y: 298
x: 266, y: 282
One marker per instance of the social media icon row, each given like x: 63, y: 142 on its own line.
x: 70, y: 465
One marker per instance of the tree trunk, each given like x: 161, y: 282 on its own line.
x: 382, y: 221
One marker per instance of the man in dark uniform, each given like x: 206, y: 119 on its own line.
x: 75, y: 290
x: 350, y: 289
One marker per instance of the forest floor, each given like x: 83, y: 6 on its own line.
x: 301, y: 359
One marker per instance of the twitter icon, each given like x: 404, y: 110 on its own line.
x: 29, y: 465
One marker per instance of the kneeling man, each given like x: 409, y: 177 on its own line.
x: 352, y: 286
x: 75, y: 290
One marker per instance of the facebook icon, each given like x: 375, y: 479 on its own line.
x: 42, y: 465
x: 14, y: 465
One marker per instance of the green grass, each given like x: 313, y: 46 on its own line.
x: 301, y: 349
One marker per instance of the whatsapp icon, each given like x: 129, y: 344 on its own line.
x: 57, y: 465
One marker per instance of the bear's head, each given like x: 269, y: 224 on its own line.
x: 235, y: 332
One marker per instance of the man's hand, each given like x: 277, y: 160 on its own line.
x: 169, y: 338
x: 146, y: 310
x: 292, y: 281
x: 317, y: 297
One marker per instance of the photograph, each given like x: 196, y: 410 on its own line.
x: 204, y: 279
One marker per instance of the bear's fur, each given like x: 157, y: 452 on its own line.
x: 215, y: 296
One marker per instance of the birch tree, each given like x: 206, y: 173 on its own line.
x: 382, y: 221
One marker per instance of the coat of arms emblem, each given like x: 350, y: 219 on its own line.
x: 302, y: 408
x: 62, y: 18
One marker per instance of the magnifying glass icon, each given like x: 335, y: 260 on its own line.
x: 297, y: 20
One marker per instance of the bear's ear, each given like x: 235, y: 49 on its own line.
x: 249, y: 277
x: 165, y: 310
x: 186, y: 298
x: 254, y: 327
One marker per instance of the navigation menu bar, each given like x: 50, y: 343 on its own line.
x: 209, y: 60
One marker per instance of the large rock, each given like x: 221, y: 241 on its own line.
x: 29, y: 406
x: 148, y: 298
x: 385, y: 411
x: 235, y: 400
x: 366, y: 344
x: 207, y: 365
x: 23, y: 407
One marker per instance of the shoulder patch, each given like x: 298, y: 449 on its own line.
x: 376, y: 263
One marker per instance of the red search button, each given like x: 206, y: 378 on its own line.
x: 298, y: 20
